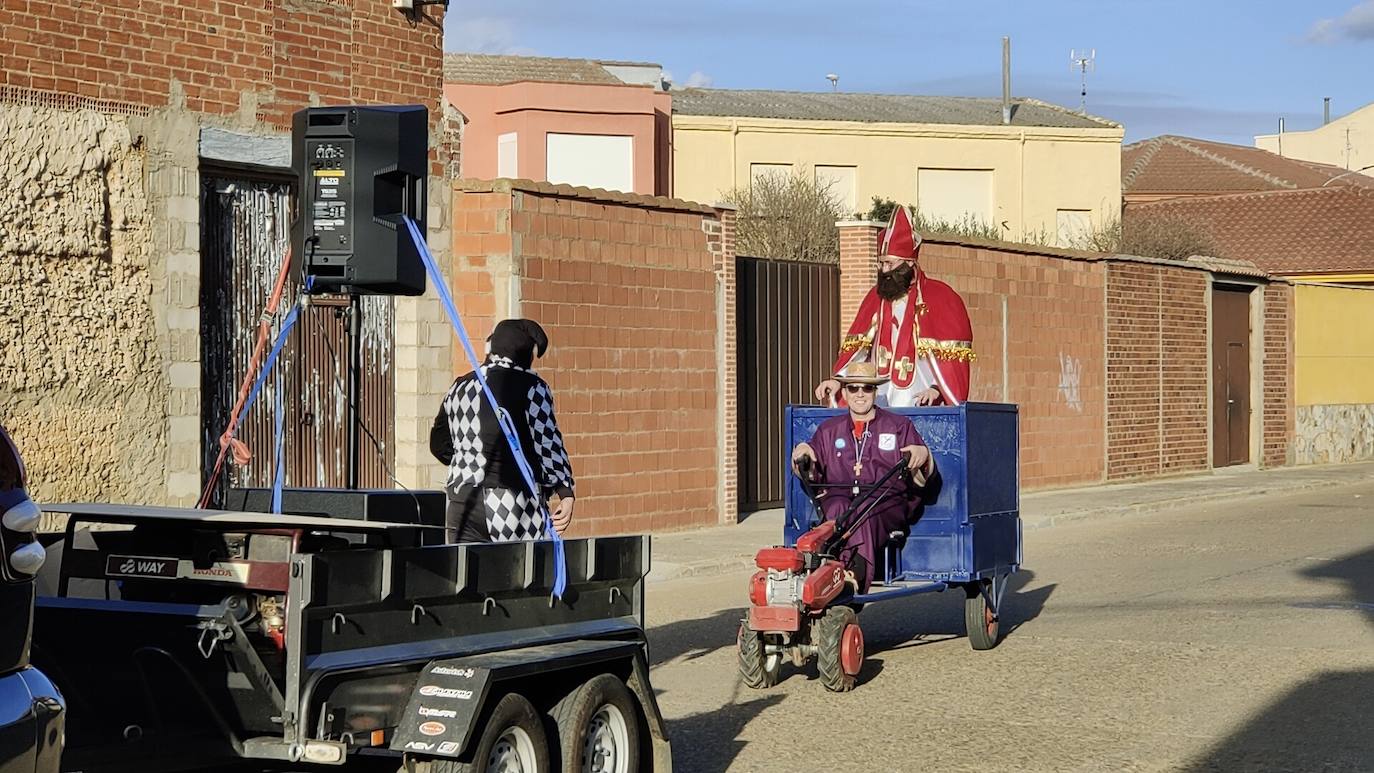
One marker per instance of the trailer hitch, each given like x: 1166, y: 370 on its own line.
x: 212, y: 632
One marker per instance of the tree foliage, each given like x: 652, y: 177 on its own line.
x: 787, y: 216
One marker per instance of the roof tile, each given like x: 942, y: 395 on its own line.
x: 876, y: 108
x: 1305, y: 231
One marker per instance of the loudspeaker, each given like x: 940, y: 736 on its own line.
x: 359, y: 170
x: 424, y: 508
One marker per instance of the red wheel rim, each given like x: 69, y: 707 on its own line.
x: 852, y: 649
x: 991, y: 621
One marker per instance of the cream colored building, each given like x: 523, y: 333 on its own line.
x: 1049, y: 175
x: 1347, y: 142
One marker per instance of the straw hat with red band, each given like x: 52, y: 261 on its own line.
x: 899, y: 239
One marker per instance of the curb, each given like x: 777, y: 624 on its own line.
x: 1163, y: 505
x: 665, y: 571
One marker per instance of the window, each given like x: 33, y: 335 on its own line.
x: 841, y: 182
x: 1073, y: 226
x: 507, y: 157
x: 759, y: 171
x: 594, y: 160
x: 955, y: 196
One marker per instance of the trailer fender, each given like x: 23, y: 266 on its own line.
x: 449, y: 695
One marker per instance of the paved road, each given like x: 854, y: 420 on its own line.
x: 1222, y: 637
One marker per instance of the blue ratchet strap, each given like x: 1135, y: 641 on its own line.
x: 278, y: 480
x: 560, y: 569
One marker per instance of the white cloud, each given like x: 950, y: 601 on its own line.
x: 698, y: 80
x: 1355, y: 24
x: 482, y: 35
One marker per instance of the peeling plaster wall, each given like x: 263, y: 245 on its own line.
x: 82, y: 387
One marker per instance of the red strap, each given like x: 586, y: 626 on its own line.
x: 227, y: 441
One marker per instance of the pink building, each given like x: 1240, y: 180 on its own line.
x: 576, y: 121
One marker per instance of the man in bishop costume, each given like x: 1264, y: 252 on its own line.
x: 913, y: 328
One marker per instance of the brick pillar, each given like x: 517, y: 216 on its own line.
x: 721, y: 241
x: 858, y: 266
x: 1278, y: 423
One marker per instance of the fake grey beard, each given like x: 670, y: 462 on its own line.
x: 894, y: 284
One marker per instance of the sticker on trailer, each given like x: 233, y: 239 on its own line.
x: 141, y: 566
x: 448, y: 694
x: 163, y: 568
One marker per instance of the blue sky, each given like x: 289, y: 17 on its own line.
x: 1201, y: 68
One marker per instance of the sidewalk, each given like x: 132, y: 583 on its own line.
x: 730, y: 549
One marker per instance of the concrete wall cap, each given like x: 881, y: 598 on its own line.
x: 508, y: 185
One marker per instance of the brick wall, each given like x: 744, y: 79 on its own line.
x: 858, y: 267
x: 723, y: 251
x: 628, y: 288
x: 1038, y: 333
x: 1278, y: 419
x: 166, y: 69
x: 1157, y: 354
x: 262, y: 58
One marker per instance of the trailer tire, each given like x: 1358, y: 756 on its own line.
x: 758, y: 669
x: 831, y: 631
x: 513, y: 731
x: 980, y: 620
x: 598, y: 728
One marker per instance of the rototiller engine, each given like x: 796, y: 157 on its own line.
x: 800, y: 602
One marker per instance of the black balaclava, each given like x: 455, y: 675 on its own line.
x: 520, y: 340
x: 894, y: 284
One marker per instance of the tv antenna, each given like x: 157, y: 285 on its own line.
x: 834, y: 81
x: 1082, y: 59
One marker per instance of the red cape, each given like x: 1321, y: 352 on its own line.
x: 935, y: 328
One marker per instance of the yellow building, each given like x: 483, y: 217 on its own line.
x: 1333, y: 374
x: 1347, y: 142
x: 1048, y: 175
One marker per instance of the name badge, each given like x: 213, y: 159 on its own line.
x: 887, y: 441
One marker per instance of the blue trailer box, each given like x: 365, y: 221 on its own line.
x: 970, y: 529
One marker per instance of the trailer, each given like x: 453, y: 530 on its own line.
x: 197, y: 639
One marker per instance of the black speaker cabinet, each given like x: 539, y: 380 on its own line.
x: 359, y: 170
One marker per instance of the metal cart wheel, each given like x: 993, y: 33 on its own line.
x: 981, y: 607
x: 758, y: 669
x: 839, y: 649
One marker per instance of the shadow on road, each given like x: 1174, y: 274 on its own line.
x: 709, y: 741
x: 695, y: 638
x: 1323, y: 724
x: 928, y: 618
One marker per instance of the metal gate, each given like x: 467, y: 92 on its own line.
x: 788, y: 328
x: 245, y: 228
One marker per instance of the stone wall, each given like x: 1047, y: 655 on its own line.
x: 81, y: 387
x: 1332, y: 434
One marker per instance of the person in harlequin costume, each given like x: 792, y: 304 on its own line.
x: 859, y: 447
x: 915, y: 329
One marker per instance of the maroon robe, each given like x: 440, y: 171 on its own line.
x: 836, y: 447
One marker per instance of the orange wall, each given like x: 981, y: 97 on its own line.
x: 532, y: 110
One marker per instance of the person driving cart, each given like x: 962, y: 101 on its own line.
x: 858, y: 448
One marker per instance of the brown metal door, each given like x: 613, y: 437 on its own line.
x: 1230, y: 376
x: 244, y: 233
x: 787, y: 317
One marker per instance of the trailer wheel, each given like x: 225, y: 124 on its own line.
x: 758, y: 669
x: 512, y: 741
x: 839, y: 649
x: 980, y: 619
x: 598, y: 728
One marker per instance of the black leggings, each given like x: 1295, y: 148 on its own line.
x: 465, y: 517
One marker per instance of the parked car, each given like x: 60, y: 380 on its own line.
x: 32, y: 712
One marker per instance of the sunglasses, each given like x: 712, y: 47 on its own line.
x: 854, y: 389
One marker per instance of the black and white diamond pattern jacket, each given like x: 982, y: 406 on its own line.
x: 467, y: 437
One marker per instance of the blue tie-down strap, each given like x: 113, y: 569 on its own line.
x: 287, y: 324
x: 560, y: 568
